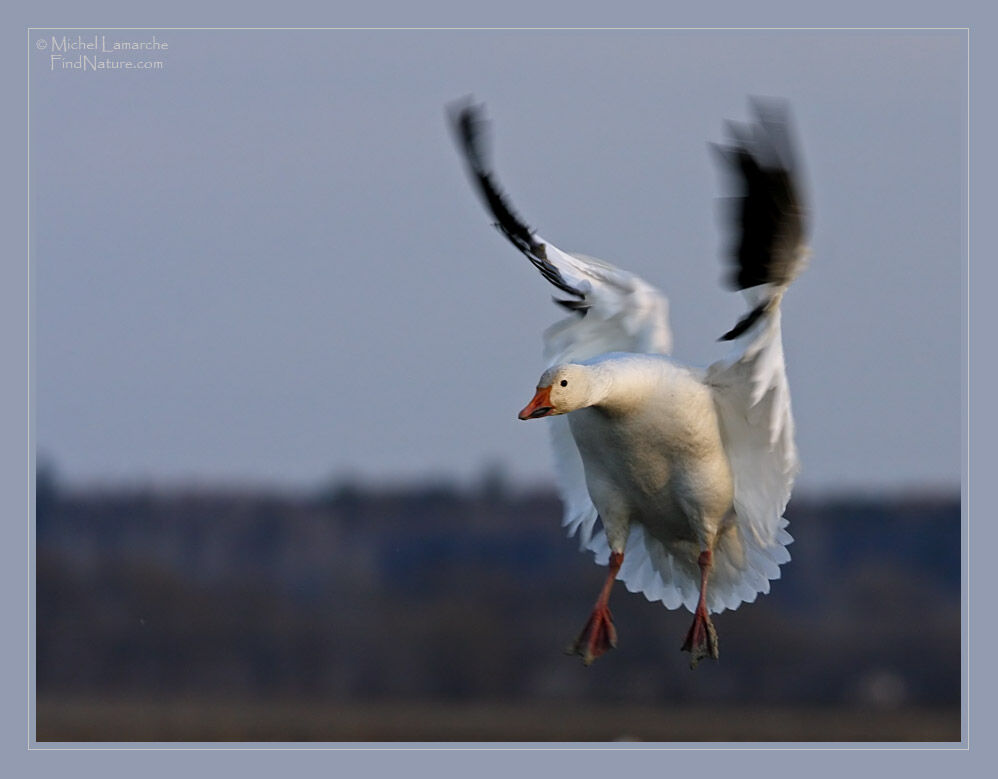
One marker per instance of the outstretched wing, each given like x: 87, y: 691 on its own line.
x: 611, y: 310
x: 768, y: 249
x: 469, y: 128
x: 751, y: 392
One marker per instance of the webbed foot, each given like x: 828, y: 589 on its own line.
x: 701, y: 640
x: 598, y: 637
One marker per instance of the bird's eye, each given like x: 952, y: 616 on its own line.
x: 564, y: 382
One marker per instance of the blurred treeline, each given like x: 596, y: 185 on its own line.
x: 436, y: 592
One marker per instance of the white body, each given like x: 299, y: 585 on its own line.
x: 668, y: 460
x: 652, y: 454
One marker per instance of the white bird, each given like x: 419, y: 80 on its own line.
x: 675, y: 476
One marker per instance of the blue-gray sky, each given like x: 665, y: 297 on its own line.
x: 264, y: 261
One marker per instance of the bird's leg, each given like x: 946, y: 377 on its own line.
x: 702, y: 638
x: 599, y: 635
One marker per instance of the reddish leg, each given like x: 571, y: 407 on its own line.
x: 702, y: 638
x: 599, y: 635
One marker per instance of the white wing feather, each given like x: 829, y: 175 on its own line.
x: 752, y: 398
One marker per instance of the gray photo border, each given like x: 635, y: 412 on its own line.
x: 484, y: 760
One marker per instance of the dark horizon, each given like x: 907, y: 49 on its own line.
x: 442, y: 595
x: 47, y: 468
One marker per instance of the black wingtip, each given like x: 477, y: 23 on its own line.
x: 722, y: 154
x: 770, y: 109
x: 468, y: 124
x: 745, y: 322
x: 469, y: 127
x: 769, y: 218
x: 773, y: 118
x: 579, y: 307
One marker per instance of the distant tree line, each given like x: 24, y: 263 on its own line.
x: 438, y: 592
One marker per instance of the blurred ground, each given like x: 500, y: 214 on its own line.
x: 214, y: 720
x: 439, y: 613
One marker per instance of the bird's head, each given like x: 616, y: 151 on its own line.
x: 560, y: 389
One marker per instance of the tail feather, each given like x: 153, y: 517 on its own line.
x: 743, y: 568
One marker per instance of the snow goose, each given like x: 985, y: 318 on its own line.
x: 676, y: 477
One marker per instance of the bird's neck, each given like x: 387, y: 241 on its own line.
x: 609, y: 393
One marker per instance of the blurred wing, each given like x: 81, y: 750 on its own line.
x: 768, y: 217
x: 751, y: 392
x: 612, y: 310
